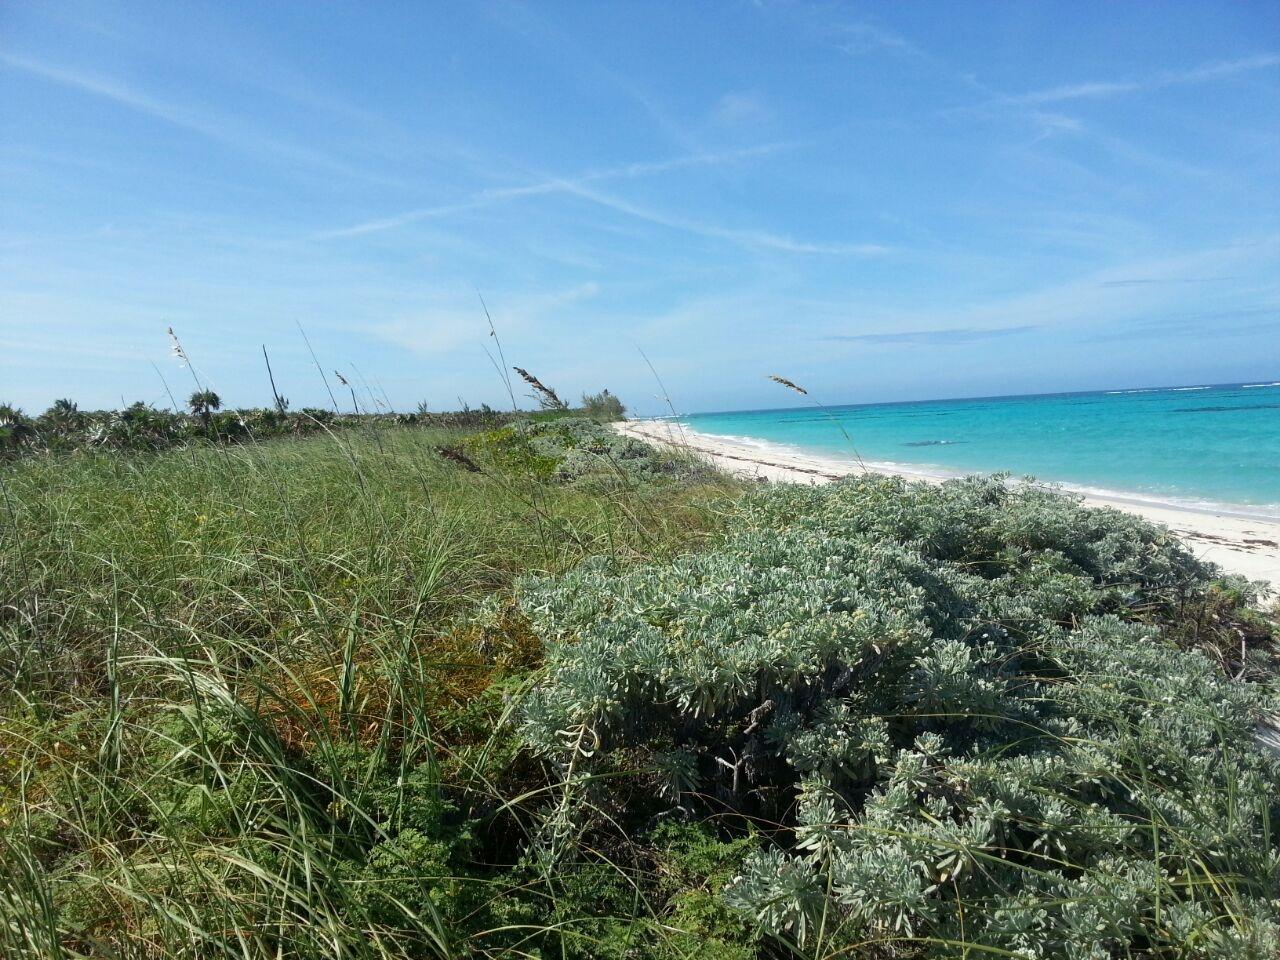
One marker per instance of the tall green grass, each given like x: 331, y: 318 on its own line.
x: 247, y: 707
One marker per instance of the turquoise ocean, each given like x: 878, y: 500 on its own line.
x: 1199, y: 446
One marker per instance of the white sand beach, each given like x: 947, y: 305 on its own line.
x: 1237, y: 543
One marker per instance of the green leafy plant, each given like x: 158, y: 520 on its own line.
x: 582, y: 452
x: 603, y: 406
x: 963, y: 706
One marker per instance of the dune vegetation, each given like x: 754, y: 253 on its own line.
x: 499, y: 686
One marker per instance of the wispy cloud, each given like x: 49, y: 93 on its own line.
x: 862, y: 37
x: 945, y: 336
x: 205, y: 123
x: 582, y: 187
x: 477, y: 201
x: 1048, y: 123
x: 528, y: 23
x: 116, y: 91
x: 497, y: 195
x: 735, y: 108
x: 1224, y: 323
x: 1098, y: 89
x: 1141, y: 281
x: 1077, y: 307
x: 759, y: 239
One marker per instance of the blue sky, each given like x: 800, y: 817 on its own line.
x: 880, y: 201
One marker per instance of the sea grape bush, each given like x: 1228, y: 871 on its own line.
x: 584, y: 453
x: 970, y: 710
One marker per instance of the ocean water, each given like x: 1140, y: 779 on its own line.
x: 1207, y: 446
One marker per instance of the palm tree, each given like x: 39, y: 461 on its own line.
x: 60, y: 421
x: 202, y: 403
x: 62, y: 415
x: 15, y: 427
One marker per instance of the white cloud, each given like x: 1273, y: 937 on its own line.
x: 1100, y: 89
x: 569, y: 185
x: 203, y: 122
x: 862, y: 37
x: 581, y: 188
x: 1106, y: 296
x: 736, y: 108
x: 759, y: 239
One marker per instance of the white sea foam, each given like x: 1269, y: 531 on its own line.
x: 1252, y: 511
x: 1250, y: 386
x: 1170, y: 389
x: 833, y: 460
x: 768, y: 446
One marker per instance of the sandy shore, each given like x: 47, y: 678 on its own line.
x: 1237, y: 543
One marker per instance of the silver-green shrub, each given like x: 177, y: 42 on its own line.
x: 591, y: 455
x: 970, y: 709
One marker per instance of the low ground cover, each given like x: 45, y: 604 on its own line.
x: 965, y: 717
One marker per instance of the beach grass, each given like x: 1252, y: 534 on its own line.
x: 227, y: 671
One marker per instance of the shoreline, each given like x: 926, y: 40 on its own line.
x: 1237, y: 542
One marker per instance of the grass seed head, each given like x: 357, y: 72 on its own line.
x: 548, y: 396
x: 789, y: 384
x: 454, y: 455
